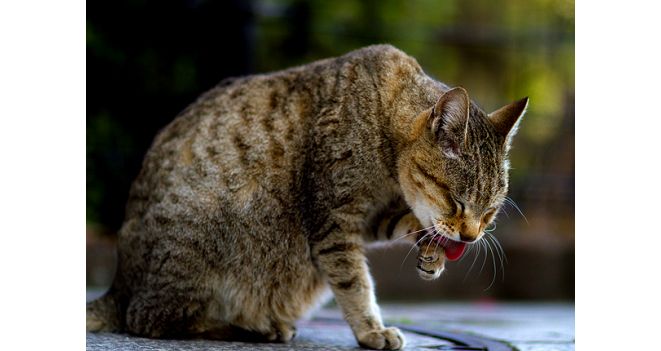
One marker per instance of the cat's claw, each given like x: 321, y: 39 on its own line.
x: 383, y: 339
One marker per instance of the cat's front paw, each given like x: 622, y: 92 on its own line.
x: 382, y: 339
x: 431, y: 260
x: 282, y: 332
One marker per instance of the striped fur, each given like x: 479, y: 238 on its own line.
x: 266, y: 190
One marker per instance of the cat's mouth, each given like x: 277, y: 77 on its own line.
x: 453, y: 249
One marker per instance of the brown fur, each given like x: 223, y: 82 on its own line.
x: 266, y: 190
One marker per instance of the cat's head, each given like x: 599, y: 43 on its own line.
x: 454, y: 172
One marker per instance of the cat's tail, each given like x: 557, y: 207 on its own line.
x: 103, y: 314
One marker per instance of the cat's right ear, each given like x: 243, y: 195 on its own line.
x: 448, y: 121
x: 506, y: 119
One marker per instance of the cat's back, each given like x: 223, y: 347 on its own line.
x: 237, y: 144
x: 243, y: 143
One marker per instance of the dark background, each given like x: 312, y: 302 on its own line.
x: 147, y: 60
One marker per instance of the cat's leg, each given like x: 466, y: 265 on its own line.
x: 169, y: 307
x: 165, y: 299
x: 167, y: 313
x: 403, y: 226
x: 398, y: 226
x: 340, y: 257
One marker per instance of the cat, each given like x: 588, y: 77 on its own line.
x: 267, y: 190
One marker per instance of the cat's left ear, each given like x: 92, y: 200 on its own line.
x: 506, y: 119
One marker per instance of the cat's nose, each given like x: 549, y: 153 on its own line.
x: 469, y: 231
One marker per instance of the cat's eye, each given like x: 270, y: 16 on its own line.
x: 460, y: 205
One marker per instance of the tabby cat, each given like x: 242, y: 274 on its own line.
x: 267, y: 190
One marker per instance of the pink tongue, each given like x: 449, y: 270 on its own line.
x: 453, y: 249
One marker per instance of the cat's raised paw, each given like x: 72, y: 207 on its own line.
x: 431, y: 260
x: 383, y: 339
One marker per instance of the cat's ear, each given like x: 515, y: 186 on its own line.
x: 506, y: 119
x: 448, y: 121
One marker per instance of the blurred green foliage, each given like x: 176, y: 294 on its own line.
x: 498, y: 50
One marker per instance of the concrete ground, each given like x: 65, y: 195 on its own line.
x: 526, y: 327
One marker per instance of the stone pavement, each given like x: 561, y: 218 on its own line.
x: 526, y: 327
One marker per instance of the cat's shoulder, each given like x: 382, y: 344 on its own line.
x: 386, y: 57
x: 379, y: 51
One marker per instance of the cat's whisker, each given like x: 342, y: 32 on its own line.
x: 498, y: 250
x: 486, y: 255
x: 500, y: 257
x: 493, y: 260
x: 491, y: 229
x: 427, y: 246
x: 412, y: 233
x: 413, y: 246
x: 477, y: 253
x: 502, y: 251
x: 421, y: 230
x: 513, y: 204
x: 432, y: 240
x: 466, y: 253
x: 437, y: 244
x: 500, y: 247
